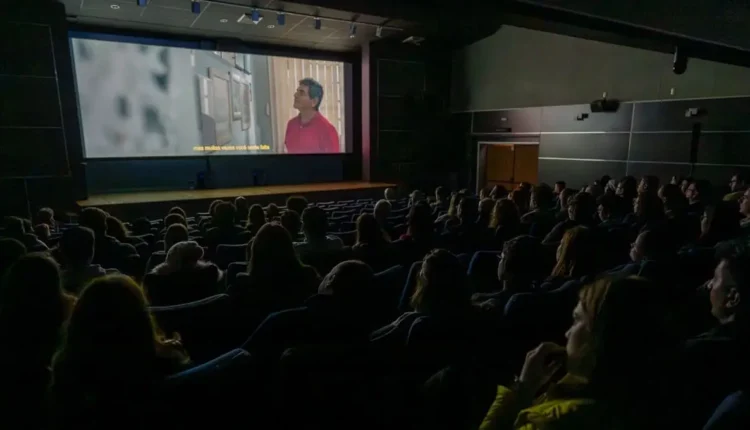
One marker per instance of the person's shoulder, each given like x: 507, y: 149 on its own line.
x: 293, y: 120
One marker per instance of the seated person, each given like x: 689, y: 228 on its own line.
x: 541, y: 217
x: 224, y: 230
x: 119, y: 231
x: 175, y: 233
x: 77, y: 246
x: 184, y: 277
x: 290, y: 220
x: 43, y: 233
x: 372, y: 246
x: 46, y: 216
x: 10, y: 251
x: 603, y: 357
x: 581, y: 211
x: 314, y: 227
x: 108, y: 251
x: 297, y: 204
x: 381, y: 212
x: 15, y: 228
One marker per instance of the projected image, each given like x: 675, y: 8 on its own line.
x: 156, y: 101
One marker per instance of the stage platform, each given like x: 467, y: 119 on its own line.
x: 156, y: 203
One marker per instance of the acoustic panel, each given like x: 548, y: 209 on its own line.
x: 671, y: 147
x: 718, y: 175
x: 32, y: 152
x: 729, y: 114
x: 579, y: 118
x: 23, y: 48
x: 600, y: 146
x: 724, y: 148
x: 29, y: 102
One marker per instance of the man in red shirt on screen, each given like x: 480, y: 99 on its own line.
x: 309, y: 132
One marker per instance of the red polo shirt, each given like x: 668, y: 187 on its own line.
x: 317, y: 136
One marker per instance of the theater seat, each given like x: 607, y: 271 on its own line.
x: 205, y: 326
x: 227, y: 254
x: 733, y: 413
x: 181, y: 287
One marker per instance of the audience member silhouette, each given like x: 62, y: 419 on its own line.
x: 109, y: 252
x: 297, y: 204
x: 255, y: 219
x: 77, y: 247
x: 15, y: 228
x: 314, y: 227
x: 290, y: 220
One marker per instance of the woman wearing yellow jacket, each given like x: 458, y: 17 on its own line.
x: 613, y: 358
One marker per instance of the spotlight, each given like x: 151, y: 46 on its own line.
x: 255, y: 16
x: 379, y: 31
x: 281, y: 18
x: 352, y: 30
x: 195, y: 6
x: 142, y: 3
x: 318, y: 23
x: 680, y: 61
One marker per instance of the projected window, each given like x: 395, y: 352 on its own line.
x: 187, y: 102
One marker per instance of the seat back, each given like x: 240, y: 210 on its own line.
x: 180, y: 287
x: 227, y: 254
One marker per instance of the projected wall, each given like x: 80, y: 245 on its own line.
x: 157, y: 101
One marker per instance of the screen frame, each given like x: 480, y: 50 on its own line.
x: 351, y: 62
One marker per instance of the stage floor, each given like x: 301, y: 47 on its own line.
x: 225, y: 193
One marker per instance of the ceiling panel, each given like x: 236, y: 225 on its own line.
x: 168, y: 16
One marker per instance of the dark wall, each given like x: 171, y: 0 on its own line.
x: 40, y: 152
x: 410, y: 121
x: 655, y: 138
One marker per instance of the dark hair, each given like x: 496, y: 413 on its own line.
x: 468, y: 210
x: 610, y: 203
x: 442, y: 286
x: 505, y: 214
x: 44, y: 216
x: 297, y: 204
x: 14, y: 225
x: 290, y: 220
x: 212, y: 206
x: 174, y: 218
x: 271, y: 253
x: 224, y: 214
x: 658, y: 243
x: 584, y: 206
x: 630, y: 188
x: 10, y: 251
x: 704, y: 189
x: 77, y: 246
x: 498, y: 192
x: 314, y: 90
x: 95, y: 219
x: 651, y: 184
x: 141, y: 226
x: 178, y: 210
x: 256, y: 216
x: 369, y: 231
x: 521, y: 198
x: 673, y: 198
x: 241, y: 203
x: 562, y: 184
x: 348, y: 280
x: 724, y: 224
x: 175, y: 233
x: 419, y: 222
x: 117, y: 229
x: 578, y: 253
x: 542, y: 197
x: 650, y: 207
x: 442, y: 193
x: 314, y: 223
x: 738, y: 264
x: 33, y: 309
x: 272, y: 212
x: 519, y: 261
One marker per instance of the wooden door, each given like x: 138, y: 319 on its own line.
x: 500, y: 165
x: 526, y: 164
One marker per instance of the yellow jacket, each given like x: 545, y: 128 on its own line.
x: 555, y: 409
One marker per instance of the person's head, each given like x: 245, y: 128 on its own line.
x: 559, y: 186
x: 10, y: 251
x: 272, y: 212
x: 595, y: 190
x: 256, y: 216
x: 416, y: 196
x: 178, y: 210
x: 32, y: 308
x: 419, y: 221
x: 117, y: 229
x: 382, y: 211
x: 314, y: 223
x: 486, y: 207
x: 43, y: 232
x: 350, y: 281
x: 453, y: 205
x: 728, y: 289
x: 737, y: 183
x: 390, y: 194
x: 442, y: 194
x: 648, y: 207
x: 291, y: 221
x: 505, y: 214
x: 14, y: 226
x: 648, y: 184
x: 297, y: 204
x: 542, y: 197
x: 674, y: 200
x: 619, y: 330
x: 369, y: 231
x: 175, y: 218
x: 698, y: 191
x: 581, y: 207
x: 241, y: 203
x: 745, y: 204
x: 212, y: 207
x: 95, y: 219
x: 519, y: 262
x: 175, y: 233
x: 656, y: 244
x: 77, y: 246
x: 685, y: 183
x: 272, y: 251
x: 111, y: 337
x: 224, y: 215
x: 627, y: 188
x: 45, y: 216
x: 309, y: 95
x: 521, y: 198
x: 441, y: 287
x: 184, y: 255
x: 141, y: 226
x: 468, y: 209
x: 565, y: 196
x: 498, y: 192
x: 721, y: 221
x: 607, y: 206
x: 576, y: 254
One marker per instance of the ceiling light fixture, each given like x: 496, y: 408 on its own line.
x: 352, y: 30
x: 195, y: 6
x: 379, y: 31
x: 318, y: 23
x: 142, y: 3
x: 281, y: 18
x: 224, y: 21
x: 256, y: 17
x: 114, y: 6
